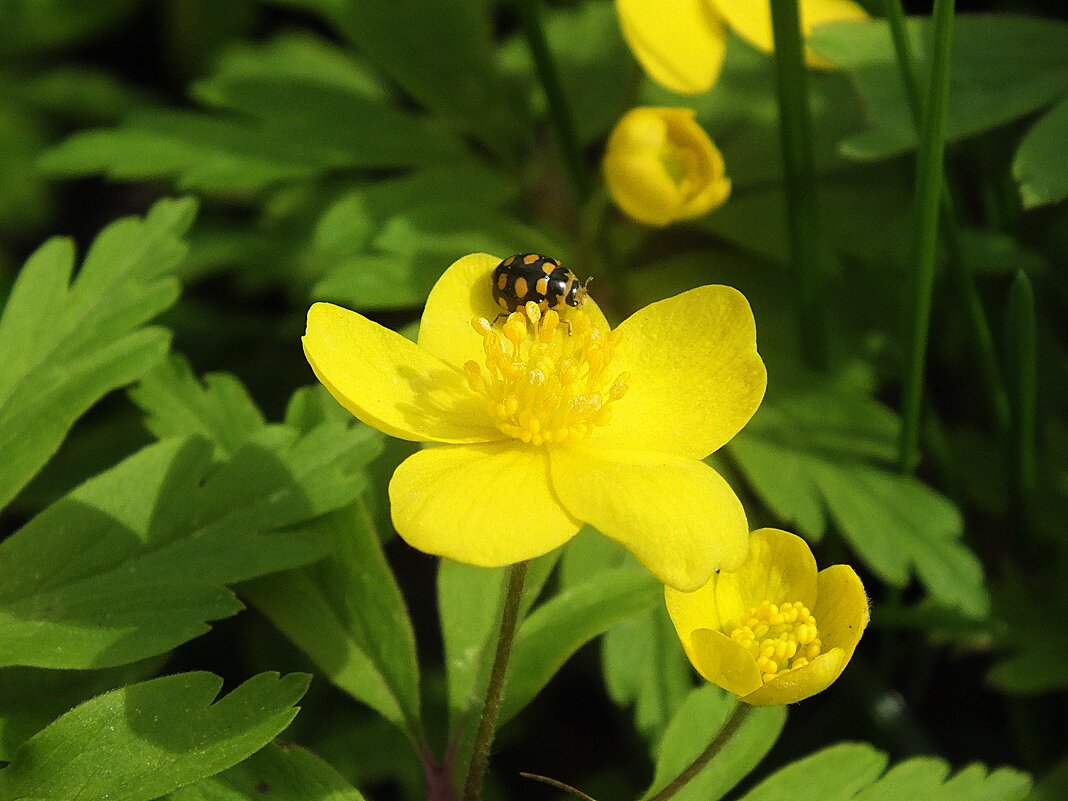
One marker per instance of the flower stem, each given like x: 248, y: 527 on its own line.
x: 982, y: 336
x: 559, y: 109
x: 929, y: 179
x: 487, y: 722
x: 738, y: 715
x: 802, y: 211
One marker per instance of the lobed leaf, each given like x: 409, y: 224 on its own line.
x: 137, y: 559
x: 140, y: 742
x: 855, y: 771
x: 815, y: 451
x: 64, y: 345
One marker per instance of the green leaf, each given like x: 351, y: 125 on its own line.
x: 34, y: 25
x: 566, y: 622
x: 696, y: 722
x: 348, y: 615
x: 1032, y: 661
x: 1054, y: 785
x: 1030, y: 71
x: 645, y: 667
x: 450, y: 229
x: 141, y: 742
x: 159, y: 536
x: 31, y: 698
x: 287, y: 773
x: 816, y: 450
x: 469, y: 605
x: 177, y: 404
x: 442, y: 56
x: 286, y: 127
x: 855, y: 771
x: 1039, y: 165
x: 63, y: 347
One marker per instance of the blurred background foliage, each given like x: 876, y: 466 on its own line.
x: 349, y: 150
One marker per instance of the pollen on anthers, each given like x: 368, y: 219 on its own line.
x: 543, y: 383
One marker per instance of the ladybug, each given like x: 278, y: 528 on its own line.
x: 527, y: 277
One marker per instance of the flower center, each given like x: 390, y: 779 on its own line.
x: 780, y: 638
x: 546, y: 380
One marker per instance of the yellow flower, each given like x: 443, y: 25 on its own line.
x: 774, y: 631
x: 660, y: 166
x: 546, y: 424
x: 681, y: 43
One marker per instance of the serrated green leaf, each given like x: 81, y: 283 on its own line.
x: 566, y: 622
x: 177, y: 404
x: 159, y: 536
x: 348, y: 615
x: 1039, y: 166
x: 1030, y: 71
x: 645, y: 667
x: 814, y: 450
x: 141, y: 742
x: 697, y: 721
x: 287, y: 773
x: 63, y: 347
x: 851, y: 771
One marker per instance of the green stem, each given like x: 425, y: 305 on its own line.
x: 1020, y: 335
x: 964, y: 280
x: 734, y: 722
x: 559, y: 109
x: 802, y: 211
x: 487, y: 723
x: 928, y: 201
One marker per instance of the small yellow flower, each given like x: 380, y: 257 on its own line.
x: 661, y: 167
x: 681, y: 43
x: 774, y: 631
x: 548, y: 423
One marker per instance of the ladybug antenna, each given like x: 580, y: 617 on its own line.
x: 584, y: 290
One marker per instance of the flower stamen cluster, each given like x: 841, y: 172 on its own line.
x: 546, y: 380
x: 780, y: 637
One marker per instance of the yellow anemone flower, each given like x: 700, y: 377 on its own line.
x: 661, y: 167
x: 681, y: 43
x: 775, y: 631
x: 548, y: 421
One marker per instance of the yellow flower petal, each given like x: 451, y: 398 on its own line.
x: 661, y: 167
x: 690, y: 611
x: 390, y: 383
x: 695, y: 377
x: 752, y: 20
x: 679, y: 43
x: 795, y: 685
x: 722, y: 661
x: 486, y: 505
x: 676, y: 515
x: 461, y: 294
x: 841, y: 608
x: 780, y: 567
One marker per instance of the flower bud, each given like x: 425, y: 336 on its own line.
x: 661, y: 166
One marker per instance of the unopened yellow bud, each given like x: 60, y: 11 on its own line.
x: 661, y: 166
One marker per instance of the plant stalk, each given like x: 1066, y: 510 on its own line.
x: 929, y: 180
x: 487, y: 722
x: 802, y: 210
x: 563, y: 121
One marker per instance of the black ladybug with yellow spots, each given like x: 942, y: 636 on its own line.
x: 527, y: 277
